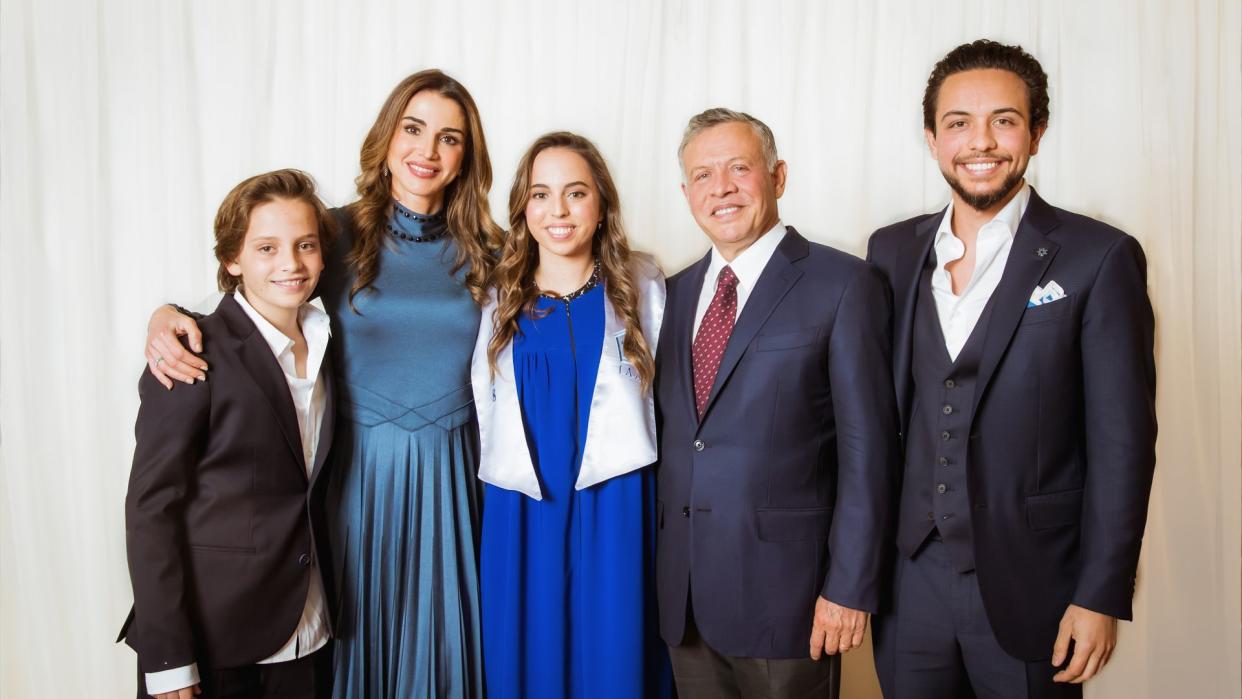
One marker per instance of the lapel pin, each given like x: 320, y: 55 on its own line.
x: 1042, y: 252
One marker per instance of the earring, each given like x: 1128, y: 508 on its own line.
x: 384, y: 170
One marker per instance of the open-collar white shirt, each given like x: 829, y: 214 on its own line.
x: 959, y: 313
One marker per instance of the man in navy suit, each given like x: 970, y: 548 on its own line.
x: 778, y: 435
x: 1025, y: 385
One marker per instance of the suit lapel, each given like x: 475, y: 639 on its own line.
x: 256, y: 356
x: 683, y: 332
x: 1029, y: 258
x: 777, y: 278
x: 910, y: 259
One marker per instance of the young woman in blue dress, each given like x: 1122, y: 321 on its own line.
x: 562, y: 375
x: 403, y: 287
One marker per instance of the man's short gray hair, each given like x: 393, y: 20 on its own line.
x: 719, y: 115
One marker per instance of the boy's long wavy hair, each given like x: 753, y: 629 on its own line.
x: 514, y: 274
x: 467, y: 213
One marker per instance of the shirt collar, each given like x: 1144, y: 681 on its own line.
x: 314, y: 323
x: 749, y: 263
x: 1008, y: 217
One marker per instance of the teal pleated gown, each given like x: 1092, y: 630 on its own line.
x: 405, y: 500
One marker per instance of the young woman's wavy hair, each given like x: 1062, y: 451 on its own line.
x: 514, y: 274
x: 467, y: 213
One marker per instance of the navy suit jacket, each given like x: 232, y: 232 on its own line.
x: 783, y: 492
x: 221, y: 522
x: 1062, y: 445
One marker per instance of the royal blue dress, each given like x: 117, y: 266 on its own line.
x: 568, y: 604
x: 404, y: 498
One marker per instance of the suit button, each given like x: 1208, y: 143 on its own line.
x: 945, y: 435
x: 931, y: 515
x: 685, y: 512
x: 304, y: 560
x: 948, y: 383
x: 699, y: 445
x: 947, y: 410
x: 944, y: 461
x: 941, y: 488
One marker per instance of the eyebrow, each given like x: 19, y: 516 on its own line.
x: 276, y: 238
x: 575, y: 183
x: 724, y: 161
x: 1002, y: 110
x: 420, y: 122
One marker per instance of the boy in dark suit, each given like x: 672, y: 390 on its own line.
x: 223, y: 522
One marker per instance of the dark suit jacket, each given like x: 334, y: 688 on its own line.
x: 783, y: 492
x: 221, y: 523
x: 1062, y: 445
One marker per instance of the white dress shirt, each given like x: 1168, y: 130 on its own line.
x: 748, y: 265
x: 960, y: 313
x: 308, y: 401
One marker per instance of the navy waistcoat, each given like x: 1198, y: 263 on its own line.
x: 934, y: 493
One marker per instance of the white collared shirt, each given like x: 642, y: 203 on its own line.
x: 311, y: 633
x: 960, y: 313
x: 748, y: 265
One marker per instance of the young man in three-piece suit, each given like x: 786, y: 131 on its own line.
x: 223, y: 518
x: 777, y: 436
x: 1025, y: 386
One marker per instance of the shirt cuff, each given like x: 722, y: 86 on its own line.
x: 172, y: 680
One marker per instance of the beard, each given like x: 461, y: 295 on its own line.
x: 982, y: 201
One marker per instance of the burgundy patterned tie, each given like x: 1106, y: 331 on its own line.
x: 713, y: 335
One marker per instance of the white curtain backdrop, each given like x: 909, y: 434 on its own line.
x: 123, y: 123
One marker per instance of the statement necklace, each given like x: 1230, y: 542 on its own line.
x: 433, y: 225
x: 591, y: 283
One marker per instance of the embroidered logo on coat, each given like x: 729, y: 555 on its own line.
x: 625, y: 368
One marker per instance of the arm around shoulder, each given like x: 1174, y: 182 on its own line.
x: 167, y: 357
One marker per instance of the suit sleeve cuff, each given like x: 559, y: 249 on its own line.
x: 172, y: 680
x: 1117, y: 608
x: 864, y: 601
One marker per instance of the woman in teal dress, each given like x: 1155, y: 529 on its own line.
x: 562, y: 381
x: 403, y: 287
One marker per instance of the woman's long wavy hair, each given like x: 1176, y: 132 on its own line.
x: 514, y: 274
x: 467, y: 214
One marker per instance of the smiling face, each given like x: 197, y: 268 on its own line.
x: 731, y: 193
x: 280, y: 259
x: 426, y: 152
x: 983, y: 138
x: 564, y: 208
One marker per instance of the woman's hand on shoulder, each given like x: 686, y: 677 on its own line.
x: 167, y: 359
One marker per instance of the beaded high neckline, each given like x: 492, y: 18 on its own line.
x: 412, y: 226
x: 591, y: 283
